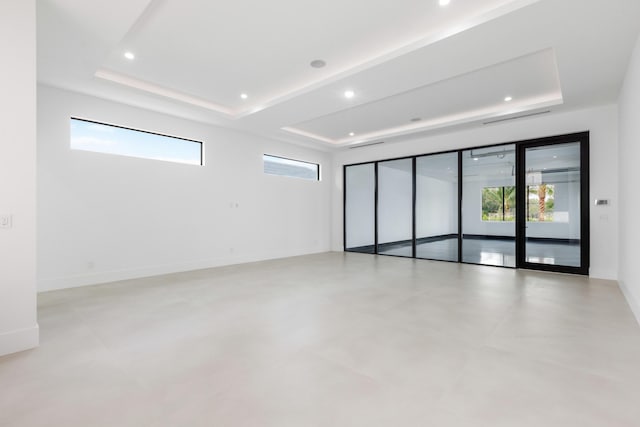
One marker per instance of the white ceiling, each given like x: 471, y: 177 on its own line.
x: 448, y: 66
x: 533, y: 77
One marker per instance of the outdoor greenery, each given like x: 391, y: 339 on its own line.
x: 540, y: 202
x: 499, y: 203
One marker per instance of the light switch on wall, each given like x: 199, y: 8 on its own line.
x: 5, y: 221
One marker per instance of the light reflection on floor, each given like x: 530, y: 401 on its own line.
x: 493, y: 252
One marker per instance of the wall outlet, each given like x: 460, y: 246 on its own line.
x: 5, y: 221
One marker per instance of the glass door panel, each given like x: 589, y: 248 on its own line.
x: 489, y: 205
x: 395, y: 207
x: 522, y: 205
x: 360, y: 206
x: 437, y: 207
x: 553, y: 205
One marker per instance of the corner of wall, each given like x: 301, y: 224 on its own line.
x: 19, y: 340
x: 18, y: 305
x: 628, y: 174
x: 633, y: 302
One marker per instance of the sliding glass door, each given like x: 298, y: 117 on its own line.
x: 437, y: 207
x: 395, y: 207
x: 517, y: 205
x: 360, y: 208
x: 489, y: 205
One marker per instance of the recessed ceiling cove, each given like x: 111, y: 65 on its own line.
x: 527, y: 83
x: 412, y: 66
x: 211, y: 52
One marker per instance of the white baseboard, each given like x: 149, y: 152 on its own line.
x: 634, y: 303
x: 19, y: 340
x: 52, y: 284
x: 605, y: 274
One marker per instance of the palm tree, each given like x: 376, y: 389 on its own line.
x: 509, y: 199
x: 542, y: 195
x: 491, y: 202
x: 497, y: 203
x: 543, y: 192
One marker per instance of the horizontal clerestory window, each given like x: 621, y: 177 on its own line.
x: 99, y: 137
x: 281, y: 166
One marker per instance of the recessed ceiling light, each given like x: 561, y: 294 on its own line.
x: 475, y: 158
x: 351, y: 134
x: 444, y: 2
x: 318, y: 63
x: 130, y: 56
x: 349, y: 94
x: 555, y: 157
x: 244, y: 96
x: 507, y: 98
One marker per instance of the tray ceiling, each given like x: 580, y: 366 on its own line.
x: 247, y: 64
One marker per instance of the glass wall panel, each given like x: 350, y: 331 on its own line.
x: 489, y: 205
x: 553, y: 204
x: 395, y: 207
x: 412, y: 207
x: 360, y: 185
x: 437, y: 207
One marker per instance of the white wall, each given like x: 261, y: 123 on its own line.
x: 436, y: 219
x: 629, y: 177
x: 600, y: 121
x: 18, y: 323
x: 105, y: 217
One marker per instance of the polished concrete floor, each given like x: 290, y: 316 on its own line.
x: 331, y: 340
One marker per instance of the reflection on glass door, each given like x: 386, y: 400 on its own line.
x: 395, y: 207
x: 489, y: 206
x: 553, y: 205
x: 522, y: 204
x: 360, y: 206
x: 437, y: 207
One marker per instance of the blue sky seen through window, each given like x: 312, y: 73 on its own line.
x: 103, y: 138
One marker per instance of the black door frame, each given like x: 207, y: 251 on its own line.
x: 521, y: 202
